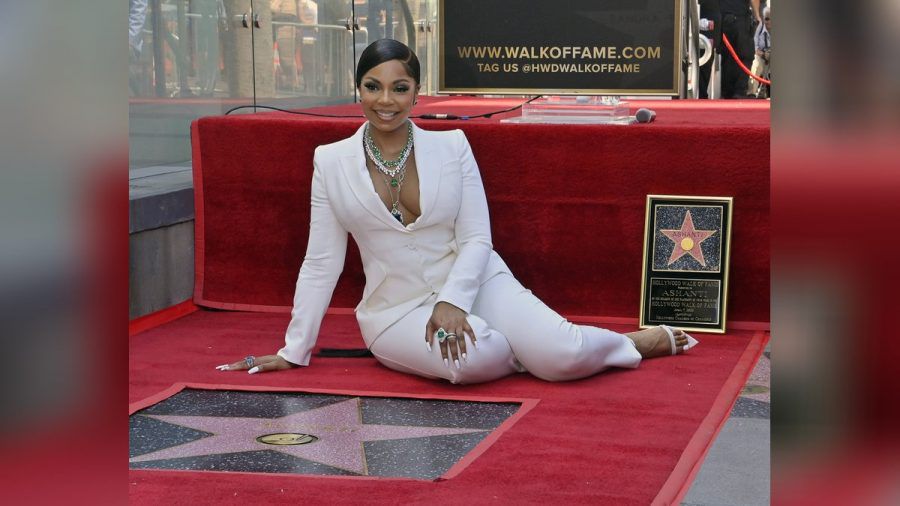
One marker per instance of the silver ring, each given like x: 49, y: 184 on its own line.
x: 249, y: 360
x: 451, y: 335
x: 440, y: 335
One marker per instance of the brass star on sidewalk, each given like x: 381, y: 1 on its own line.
x: 687, y: 240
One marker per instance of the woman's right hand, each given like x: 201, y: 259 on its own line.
x: 254, y: 365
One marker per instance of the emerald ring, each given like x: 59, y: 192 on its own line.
x: 441, y: 335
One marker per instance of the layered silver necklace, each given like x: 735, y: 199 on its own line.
x: 392, y: 171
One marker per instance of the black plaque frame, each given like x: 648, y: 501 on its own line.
x: 687, y: 250
x: 545, y: 30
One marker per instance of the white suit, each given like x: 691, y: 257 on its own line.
x: 445, y: 255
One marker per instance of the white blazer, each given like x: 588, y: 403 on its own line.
x: 447, y: 251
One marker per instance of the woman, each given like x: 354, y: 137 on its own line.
x: 414, y: 202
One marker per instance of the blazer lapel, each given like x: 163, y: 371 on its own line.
x: 353, y: 165
x: 429, y: 169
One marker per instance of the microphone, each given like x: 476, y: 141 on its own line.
x: 442, y: 116
x: 645, y: 115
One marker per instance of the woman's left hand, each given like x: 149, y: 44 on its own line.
x: 258, y: 364
x: 452, y: 320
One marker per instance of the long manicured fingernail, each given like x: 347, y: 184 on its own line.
x: 446, y: 363
x: 476, y: 344
x: 456, y: 361
x: 223, y: 367
x: 465, y: 358
x: 428, y: 345
x: 254, y: 370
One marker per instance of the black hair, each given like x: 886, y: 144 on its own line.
x: 383, y: 50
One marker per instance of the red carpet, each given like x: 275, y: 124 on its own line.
x: 612, y: 439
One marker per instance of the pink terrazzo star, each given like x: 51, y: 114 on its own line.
x: 338, y: 426
x: 687, y: 240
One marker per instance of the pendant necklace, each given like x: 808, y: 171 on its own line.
x: 393, y: 169
x: 395, y: 202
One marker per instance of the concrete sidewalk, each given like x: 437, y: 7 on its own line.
x: 736, y: 471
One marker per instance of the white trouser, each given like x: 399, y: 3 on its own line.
x: 760, y: 68
x: 516, y: 333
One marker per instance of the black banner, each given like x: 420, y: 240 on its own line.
x: 589, y: 47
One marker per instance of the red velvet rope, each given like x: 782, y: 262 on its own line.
x: 739, y: 62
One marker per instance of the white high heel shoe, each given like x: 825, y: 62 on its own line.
x: 690, y: 344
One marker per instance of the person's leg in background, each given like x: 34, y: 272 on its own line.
x: 285, y: 39
x: 734, y: 79
x: 746, y: 51
x: 759, y: 68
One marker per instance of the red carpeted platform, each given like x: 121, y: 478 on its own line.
x: 567, y: 206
